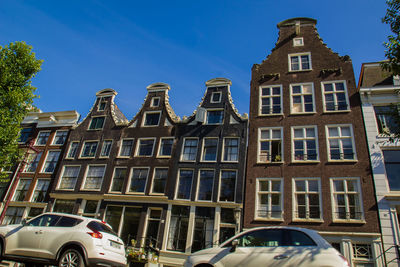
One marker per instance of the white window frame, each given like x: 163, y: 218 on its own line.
x: 199, y: 182
x: 160, y: 147
x: 269, y: 192
x: 216, y: 109
x: 62, y: 174
x: 178, y: 180
x: 340, y: 142
x: 298, y: 55
x: 307, y: 204
x: 37, y: 138
x: 152, y: 104
x: 153, y: 179
x: 69, y: 149
x: 302, y: 94
x: 270, y: 139
x: 138, y: 147
x: 270, y: 96
x: 32, y: 156
x: 219, y: 98
x: 220, y: 183
x: 83, y: 148
x: 55, y: 135
x: 203, y: 147
x: 113, y: 176
x: 334, y: 95
x: 305, y: 160
x: 102, y: 148
x: 120, y: 147
x: 128, y: 192
x: 96, y: 129
x: 298, y: 41
x: 346, y: 192
x: 16, y: 189
x: 45, y: 160
x: 183, y: 149
x: 151, y: 112
x: 101, y: 100
x: 34, y: 189
x: 223, y: 149
x: 85, y: 177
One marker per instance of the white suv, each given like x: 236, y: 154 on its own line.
x: 63, y: 240
x: 270, y: 247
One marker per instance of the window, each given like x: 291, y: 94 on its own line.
x: 60, y: 138
x: 41, y: 139
x: 269, y: 198
x: 299, y: 62
x: 64, y: 206
x: 24, y: 135
x: 385, y: 117
x: 210, y: 149
x: 97, y: 123
x: 306, y: 198
x: 73, y: 147
x: 227, y: 225
x: 69, y: 177
x: 215, y: 116
x: 153, y: 226
x: 270, y: 145
x: 298, y: 41
x: 216, y: 97
x: 151, y: 118
x: 118, y: 179
x: 227, y: 186
x: 346, y: 199
x: 340, y: 142
x: 102, y: 103
x: 363, y: 255
x: 231, y: 149
x: 90, y: 208
x: 165, y: 147
x: 129, y: 217
x: 206, y: 184
x: 51, y: 161
x: 89, y: 149
x: 106, y: 148
x: 155, y: 102
x: 40, y: 190
x: 138, y: 180
x: 22, y: 189
x: 145, y: 147
x: 304, y: 143
x: 126, y: 148
x: 178, y: 228
x: 189, y: 152
x: 392, y: 166
x: 32, y: 162
x: 159, y: 180
x: 302, y: 100
x: 335, y: 96
x: 33, y: 212
x: 94, y: 177
x: 13, y: 215
x: 203, y: 228
x: 270, y: 100
x: 184, y: 184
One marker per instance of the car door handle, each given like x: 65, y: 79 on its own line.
x: 39, y: 232
x: 280, y: 257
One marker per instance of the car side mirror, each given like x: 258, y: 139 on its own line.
x: 24, y: 223
x: 235, y: 243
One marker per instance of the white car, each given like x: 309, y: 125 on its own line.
x: 62, y: 240
x: 270, y: 246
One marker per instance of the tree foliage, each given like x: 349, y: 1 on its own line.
x: 18, y: 65
x: 392, y: 53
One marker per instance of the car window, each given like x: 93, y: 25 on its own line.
x: 262, y: 238
x: 298, y: 238
x: 44, y: 220
x: 68, y: 221
x: 100, y: 227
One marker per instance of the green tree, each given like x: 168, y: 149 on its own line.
x: 18, y: 65
x: 392, y: 53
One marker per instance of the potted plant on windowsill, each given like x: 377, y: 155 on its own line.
x: 138, y: 257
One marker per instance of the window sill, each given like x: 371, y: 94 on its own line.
x: 188, y: 161
x: 308, y: 220
x: 208, y: 161
x: 227, y: 161
x: 303, y: 113
x: 135, y: 193
x: 336, y: 111
x: 349, y: 221
x: 123, y: 157
x: 269, y: 115
x: 91, y: 190
x: 98, y: 129
x: 104, y: 157
x: 305, y: 161
x: 157, y: 194
x: 86, y: 157
x: 268, y: 219
x: 151, y: 125
x: 143, y: 156
x: 296, y: 71
x: 343, y: 160
x: 270, y: 163
x: 164, y: 157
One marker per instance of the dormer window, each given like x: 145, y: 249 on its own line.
x: 97, y: 123
x: 155, y: 102
x: 298, y: 41
x: 215, y: 116
x: 216, y: 97
x: 151, y: 118
x: 102, y: 104
x: 300, y: 62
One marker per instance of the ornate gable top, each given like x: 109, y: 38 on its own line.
x: 297, y: 21
x: 218, y: 82
x: 106, y: 92
x: 158, y: 87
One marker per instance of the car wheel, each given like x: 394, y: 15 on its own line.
x: 71, y: 258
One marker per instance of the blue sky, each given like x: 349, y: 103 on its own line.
x: 126, y: 45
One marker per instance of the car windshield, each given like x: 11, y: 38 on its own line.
x: 100, y: 227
